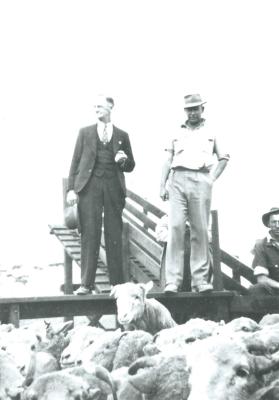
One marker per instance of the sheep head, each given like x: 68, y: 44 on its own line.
x: 130, y: 300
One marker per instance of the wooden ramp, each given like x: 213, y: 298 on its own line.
x: 70, y: 240
x: 143, y: 260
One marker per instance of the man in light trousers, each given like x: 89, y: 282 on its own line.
x: 187, y: 179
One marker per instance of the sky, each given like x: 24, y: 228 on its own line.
x: 57, y: 55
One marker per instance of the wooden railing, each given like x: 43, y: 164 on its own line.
x: 145, y: 253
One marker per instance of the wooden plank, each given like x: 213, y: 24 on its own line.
x: 231, y: 284
x: 132, y: 222
x: 145, y: 259
x: 68, y: 305
x: 141, y: 274
x: 235, y: 264
x: 155, y: 249
x: 148, y: 223
x: 251, y: 305
x: 144, y: 203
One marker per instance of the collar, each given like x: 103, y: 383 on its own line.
x: 271, y: 241
x: 193, y: 128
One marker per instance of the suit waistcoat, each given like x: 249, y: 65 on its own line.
x: 104, y: 164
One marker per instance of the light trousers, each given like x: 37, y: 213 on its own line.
x: 189, y: 200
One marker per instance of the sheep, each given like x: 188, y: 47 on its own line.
x: 241, y: 324
x: 269, y: 319
x: 135, y: 311
x: 195, y: 328
x: 170, y: 339
x: 92, y: 382
x: 11, y: 380
x: 79, y: 338
x: 46, y: 354
x: 213, y: 367
x: 41, y: 362
x: 124, y: 389
x: 116, y: 349
x: 161, y: 377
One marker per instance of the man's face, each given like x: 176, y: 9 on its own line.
x: 103, y: 109
x: 194, y: 114
x: 274, y: 224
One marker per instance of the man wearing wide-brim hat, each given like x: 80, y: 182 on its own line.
x: 193, y: 162
x: 266, y: 257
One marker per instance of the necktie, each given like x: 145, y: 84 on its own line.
x: 105, y: 135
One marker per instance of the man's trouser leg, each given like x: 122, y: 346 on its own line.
x: 176, y: 230
x: 199, y: 188
x: 114, y: 202
x: 90, y: 214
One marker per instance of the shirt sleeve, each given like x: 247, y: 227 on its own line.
x: 219, y: 153
x: 260, y: 264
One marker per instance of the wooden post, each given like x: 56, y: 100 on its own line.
x: 68, y: 274
x: 14, y: 315
x: 216, y: 253
x: 68, y: 262
x: 125, y: 252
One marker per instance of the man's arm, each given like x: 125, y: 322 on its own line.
x: 222, y: 162
x: 267, y: 280
x: 164, y: 194
x: 216, y: 172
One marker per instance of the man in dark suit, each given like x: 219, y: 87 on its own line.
x: 96, y: 181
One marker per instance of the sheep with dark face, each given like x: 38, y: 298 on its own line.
x: 135, y: 311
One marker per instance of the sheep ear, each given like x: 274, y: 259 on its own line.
x: 148, y: 286
x: 65, y: 327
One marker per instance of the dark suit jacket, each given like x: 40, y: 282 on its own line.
x: 84, y: 157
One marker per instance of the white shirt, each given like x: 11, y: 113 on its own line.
x: 194, y: 148
x: 101, y: 127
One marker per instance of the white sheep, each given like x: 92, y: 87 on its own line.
x: 136, y: 311
x: 116, y: 349
x: 80, y: 337
x: 11, y: 380
x: 269, y: 319
x: 195, y: 328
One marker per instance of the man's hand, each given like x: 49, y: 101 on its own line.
x: 71, y: 198
x: 164, y: 194
x: 120, y: 156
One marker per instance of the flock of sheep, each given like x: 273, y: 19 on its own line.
x: 149, y: 357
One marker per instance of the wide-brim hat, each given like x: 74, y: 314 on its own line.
x: 265, y: 217
x: 71, y: 217
x: 193, y: 100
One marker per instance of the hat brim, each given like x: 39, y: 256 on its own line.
x: 265, y: 217
x: 199, y: 103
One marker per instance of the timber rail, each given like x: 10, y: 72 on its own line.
x: 143, y: 260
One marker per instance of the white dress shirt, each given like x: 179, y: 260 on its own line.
x: 101, y: 127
